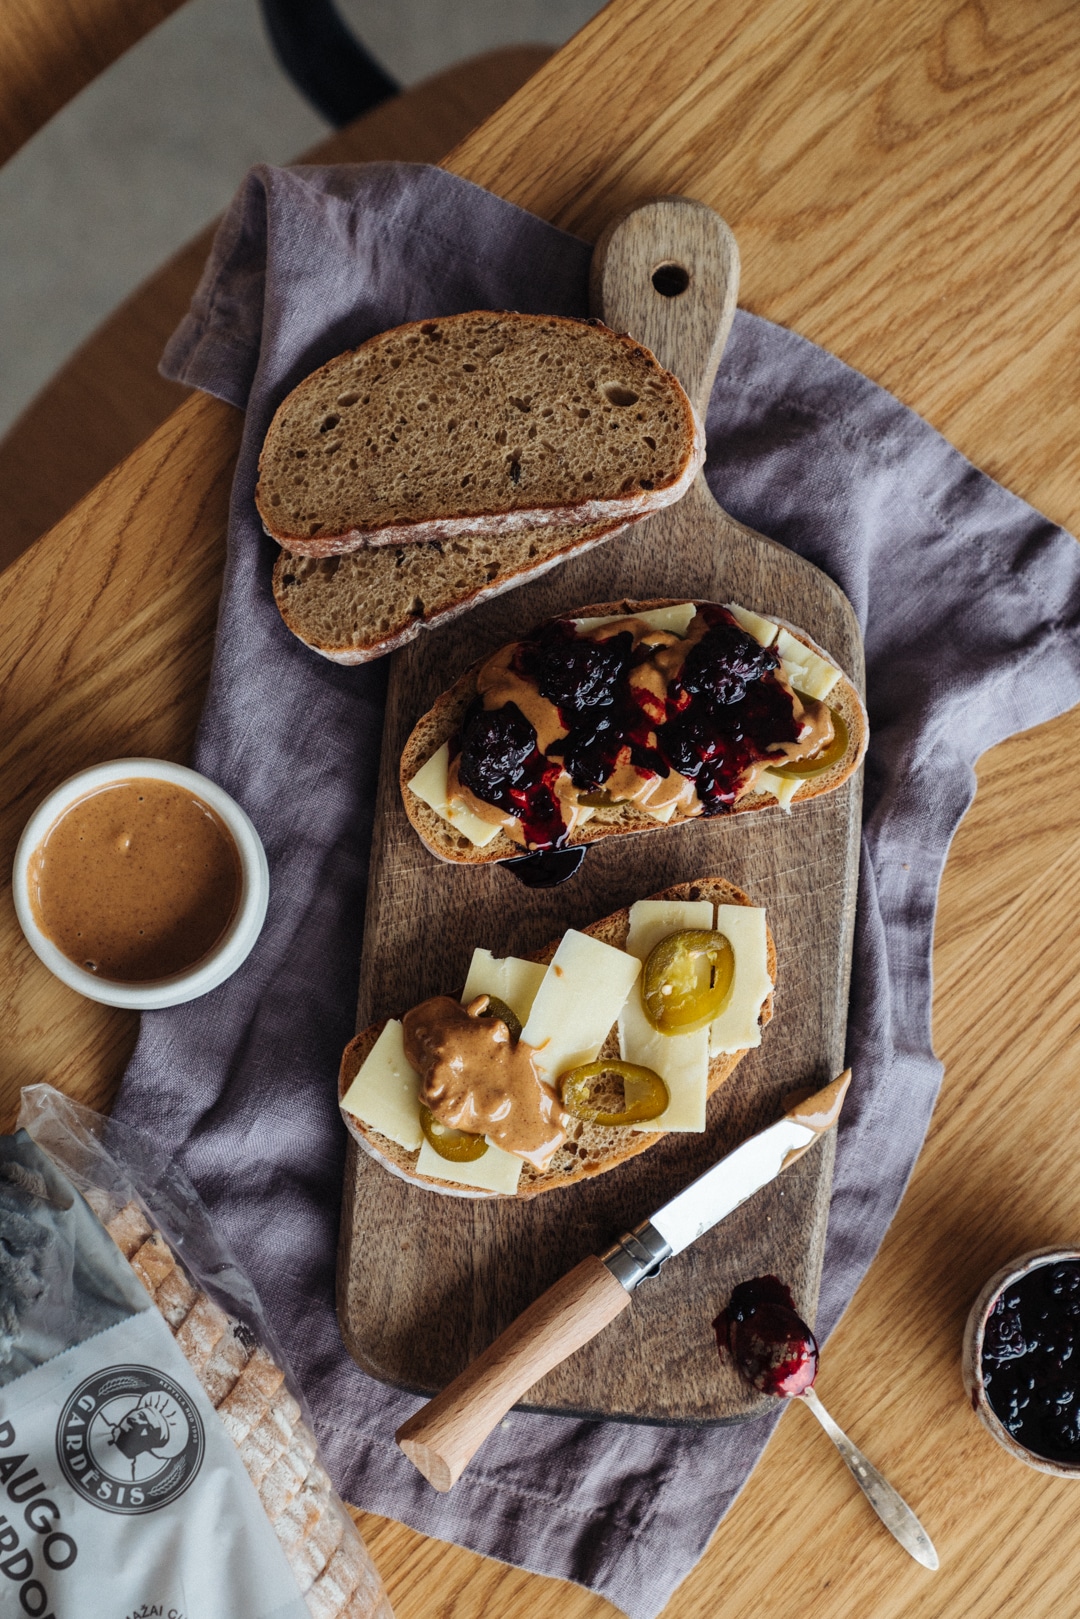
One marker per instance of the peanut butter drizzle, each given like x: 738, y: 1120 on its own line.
x: 816, y: 734
x: 814, y: 737
x: 818, y: 1112
x: 458, y: 793
x: 474, y: 1078
x: 498, y: 683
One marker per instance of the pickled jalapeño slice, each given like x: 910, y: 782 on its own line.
x: 687, y: 980
x: 495, y: 1008
x: 459, y: 1146
x: 645, y: 1096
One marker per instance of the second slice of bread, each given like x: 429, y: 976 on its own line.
x: 356, y: 607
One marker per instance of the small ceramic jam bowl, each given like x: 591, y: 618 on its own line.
x: 972, y: 1357
x: 229, y: 950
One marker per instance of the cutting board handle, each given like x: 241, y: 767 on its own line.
x: 667, y: 272
x: 443, y: 1435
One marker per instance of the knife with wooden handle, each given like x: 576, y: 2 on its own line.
x: 443, y: 1436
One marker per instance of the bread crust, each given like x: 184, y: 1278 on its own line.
x: 445, y: 717
x: 613, y: 930
x: 613, y: 509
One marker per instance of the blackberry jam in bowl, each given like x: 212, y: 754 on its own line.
x: 1021, y: 1359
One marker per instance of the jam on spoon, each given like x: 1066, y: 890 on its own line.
x: 769, y: 1342
x: 775, y: 1351
x: 547, y: 869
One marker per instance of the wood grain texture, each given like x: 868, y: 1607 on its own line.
x: 916, y: 161
x: 442, y: 1438
x: 997, y: 1176
x: 109, y: 396
x: 454, y: 1272
x: 125, y: 676
x: 50, y: 49
x: 900, y: 178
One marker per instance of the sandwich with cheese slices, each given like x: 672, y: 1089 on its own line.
x: 547, y: 1070
x: 627, y: 717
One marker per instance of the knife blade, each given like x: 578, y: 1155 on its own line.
x: 442, y: 1437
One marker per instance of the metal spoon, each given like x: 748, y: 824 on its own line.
x: 890, y: 1506
x: 777, y: 1353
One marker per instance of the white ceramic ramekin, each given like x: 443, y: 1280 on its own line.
x: 213, y: 969
x: 974, y: 1331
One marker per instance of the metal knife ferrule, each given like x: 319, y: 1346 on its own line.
x: 636, y: 1255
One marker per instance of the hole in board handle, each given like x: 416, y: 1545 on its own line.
x: 670, y: 279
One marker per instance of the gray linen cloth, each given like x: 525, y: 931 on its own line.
x: 969, y: 603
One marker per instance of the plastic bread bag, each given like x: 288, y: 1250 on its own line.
x: 153, y: 1456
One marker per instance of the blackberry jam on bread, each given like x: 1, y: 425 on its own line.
x: 627, y: 717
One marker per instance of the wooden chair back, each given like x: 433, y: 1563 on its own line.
x: 52, y: 49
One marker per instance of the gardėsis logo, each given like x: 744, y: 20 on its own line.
x: 130, y: 1440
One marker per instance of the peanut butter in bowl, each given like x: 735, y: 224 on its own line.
x: 140, y: 883
x: 137, y: 881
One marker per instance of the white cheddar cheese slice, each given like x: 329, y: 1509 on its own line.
x: 737, y: 1027
x: 674, y: 619
x: 429, y: 785
x: 681, y: 1060
x: 654, y: 919
x: 783, y: 788
x: 578, y: 1002
x: 762, y: 629
x: 805, y: 670
x: 384, y: 1093
x: 511, y: 979
x: 494, y: 1171
x: 664, y: 813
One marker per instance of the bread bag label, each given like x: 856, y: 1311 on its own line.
x: 122, y: 1496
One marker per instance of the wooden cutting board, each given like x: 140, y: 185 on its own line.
x: 425, y: 1282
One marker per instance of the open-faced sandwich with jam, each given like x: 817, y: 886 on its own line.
x: 627, y: 717
x: 547, y: 1070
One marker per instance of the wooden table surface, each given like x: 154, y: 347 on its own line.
x: 901, y: 178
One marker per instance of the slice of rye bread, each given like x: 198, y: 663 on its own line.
x: 589, y: 1149
x: 441, y: 721
x: 476, y: 423
x: 360, y: 606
